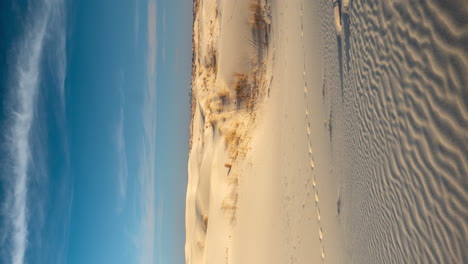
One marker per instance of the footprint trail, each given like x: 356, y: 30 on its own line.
x: 311, y: 158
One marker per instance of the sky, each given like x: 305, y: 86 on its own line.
x: 94, y: 130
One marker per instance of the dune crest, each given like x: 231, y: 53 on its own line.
x: 227, y: 89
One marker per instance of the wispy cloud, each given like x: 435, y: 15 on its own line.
x: 122, y: 173
x: 147, y: 183
x: 148, y: 148
x: 24, y: 85
x: 159, y: 229
x: 152, y: 43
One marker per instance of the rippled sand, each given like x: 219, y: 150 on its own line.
x: 398, y: 98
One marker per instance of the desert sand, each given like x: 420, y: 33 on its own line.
x: 328, y: 132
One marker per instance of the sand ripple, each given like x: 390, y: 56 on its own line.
x: 400, y: 87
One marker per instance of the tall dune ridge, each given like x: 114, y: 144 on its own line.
x: 225, y: 98
x: 328, y: 132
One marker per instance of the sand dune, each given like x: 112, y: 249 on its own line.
x: 227, y: 88
x: 328, y: 131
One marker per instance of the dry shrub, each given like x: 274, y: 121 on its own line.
x: 246, y: 92
x: 260, y: 24
x: 223, y: 95
x: 213, y: 61
x: 232, y: 137
x: 224, y: 115
x: 205, y: 222
x: 192, y: 114
x: 217, y: 105
x: 257, y: 15
x: 229, y: 205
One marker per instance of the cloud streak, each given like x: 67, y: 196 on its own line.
x: 23, y: 85
x: 123, y: 171
x: 152, y: 43
x: 122, y: 174
x: 148, y: 149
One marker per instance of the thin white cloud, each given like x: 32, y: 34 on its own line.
x: 27, y: 79
x: 159, y: 231
x: 122, y: 173
x: 147, y: 183
x: 148, y: 148
x: 23, y: 84
x: 148, y: 216
x: 122, y: 158
x: 152, y: 43
x: 57, y: 25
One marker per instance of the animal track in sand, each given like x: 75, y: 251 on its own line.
x: 312, y: 163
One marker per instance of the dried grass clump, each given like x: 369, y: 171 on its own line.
x: 223, y: 116
x: 242, y: 88
x: 193, y: 104
x: 236, y: 138
x: 261, y: 25
x: 229, y: 205
x: 223, y: 95
x: 217, y: 105
x: 205, y: 222
x: 214, y: 61
x: 257, y: 15
x: 232, y: 138
x: 246, y: 92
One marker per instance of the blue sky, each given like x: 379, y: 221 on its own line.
x: 94, y: 123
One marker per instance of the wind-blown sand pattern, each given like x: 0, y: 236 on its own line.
x: 328, y: 131
x: 403, y: 125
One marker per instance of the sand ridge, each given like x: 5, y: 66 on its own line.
x: 227, y: 89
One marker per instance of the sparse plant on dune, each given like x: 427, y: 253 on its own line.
x: 232, y: 138
x: 229, y: 205
x: 257, y: 15
x: 242, y: 88
x: 224, y: 96
x: 213, y: 61
x: 260, y: 24
x: 205, y: 222
x: 247, y: 91
x: 228, y: 106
